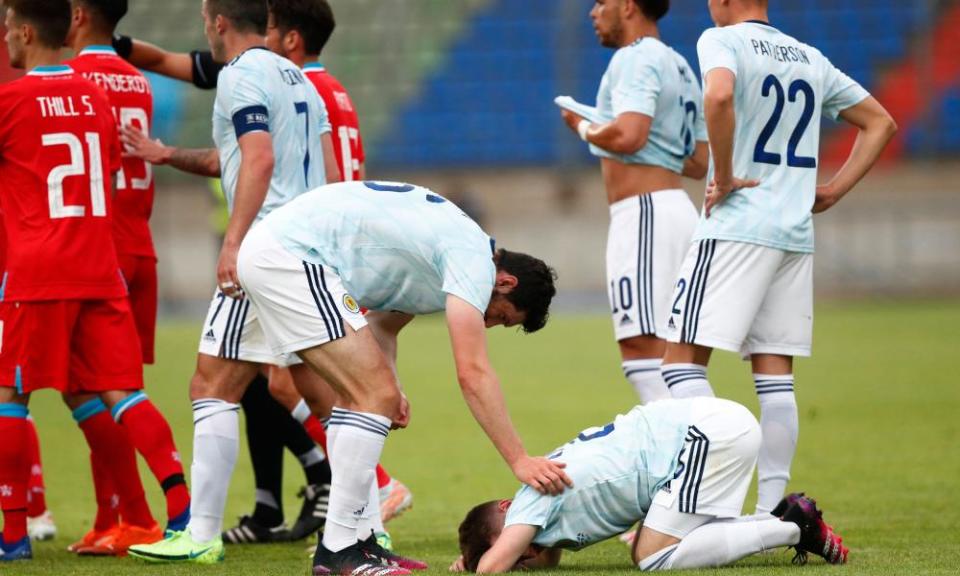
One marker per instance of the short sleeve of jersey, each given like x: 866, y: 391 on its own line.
x: 635, y: 85
x: 324, y: 124
x: 840, y: 91
x: 469, y: 276
x: 247, y: 99
x: 528, y: 507
x: 716, y: 49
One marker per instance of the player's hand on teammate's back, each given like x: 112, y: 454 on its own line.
x: 825, y: 199
x: 543, y: 475
x: 718, y: 191
x: 137, y: 144
x: 227, y: 271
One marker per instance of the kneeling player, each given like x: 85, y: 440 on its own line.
x: 679, y: 467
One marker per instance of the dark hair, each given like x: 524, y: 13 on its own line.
x: 313, y: 19
x: 653, y: 9
x: 476, y: 533
x: 106, y: 13
x: 50, y: 18
x: 246, y: 15
x: 534, y: 290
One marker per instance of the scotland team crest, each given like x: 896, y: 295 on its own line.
x: 350, y: 304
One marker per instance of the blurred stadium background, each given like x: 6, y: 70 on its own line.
x: 457, y: 95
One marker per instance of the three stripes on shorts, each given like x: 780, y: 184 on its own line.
x: 697, y: 445
x: 696, y: 291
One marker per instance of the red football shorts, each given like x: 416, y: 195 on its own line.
x: 69, y: 345
x: 140, y: 272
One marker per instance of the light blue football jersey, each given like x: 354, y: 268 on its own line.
x: 396, y: 247
x: 261, y: 91
x: 616, y: 471
x: 649, y: 78
x: 782, y: 88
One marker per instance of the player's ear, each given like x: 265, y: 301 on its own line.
x: 505, y: 282
x: 220, y: 24
x: 504, y: 505
x: 290, y: 41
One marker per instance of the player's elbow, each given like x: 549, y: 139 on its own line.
x: 888, y: 125
x: 718, y: 98
x: 471, y: 379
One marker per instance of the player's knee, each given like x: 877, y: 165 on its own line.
x: 204, y: 385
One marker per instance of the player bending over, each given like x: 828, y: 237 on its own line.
x: 398, y: 250
x: 679, y: 467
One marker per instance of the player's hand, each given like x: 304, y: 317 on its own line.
x: 227, y: 272
x: 572, y: 119
x: 138, y: 145
x: 458, y: 565
x: 543, y: 475
x: 718, y: 191
x: 825, y: 199
x: 403, y: 420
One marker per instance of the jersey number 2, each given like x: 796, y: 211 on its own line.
x: 76, y: 167
x: 797, y: 87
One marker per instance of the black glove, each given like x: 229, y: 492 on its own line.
x: 123, y: 45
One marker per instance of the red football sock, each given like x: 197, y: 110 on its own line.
x: 383, y: 477
x: 151, y: 434
x: 107, y: 498
x: 14, y: 475
x: 36, y: 499
x: 316, y: 432
x: 115, y: 474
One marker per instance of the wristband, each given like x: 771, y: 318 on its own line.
x: 123, y: 45
x: 582, y: 127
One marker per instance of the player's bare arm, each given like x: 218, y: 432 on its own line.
x: 330, y: 159
x: 508, y: 551
x: 721, y: 123
x: 200, y: 161
x: 155, y: 59
x: 482, y: 392
x: 695, y: 166
x: 256, y: 169
x: 876, y: 127
x: 626, y: 134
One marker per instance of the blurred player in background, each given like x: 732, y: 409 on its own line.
x: 66, y: 319
x: 679, y: 467
x: 655, y: 135
x: 747, y: 282
x: 273, y: 143
x: 298, y: 30
x: 398, y: 250
x: 115, y: 474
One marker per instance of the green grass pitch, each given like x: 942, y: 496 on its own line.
x: 879, y: 442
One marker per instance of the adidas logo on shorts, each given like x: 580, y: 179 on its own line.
x: 210, y: 336
x: 625, y: 319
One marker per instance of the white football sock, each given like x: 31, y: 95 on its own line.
x: 644, y: 375
x: 778, y: 421
x: 216, y: 440
x: 301, y: 411
x: 686, y: 380
x: 358, y: 442
x: 370, y: 520
x: 721, y: 542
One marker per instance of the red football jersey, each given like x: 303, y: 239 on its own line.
x: 132, y: 100
x: 58, y: 149
x: 343, y: 119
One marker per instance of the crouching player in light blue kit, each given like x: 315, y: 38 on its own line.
x: 679, y: 467
x: 397, y: 250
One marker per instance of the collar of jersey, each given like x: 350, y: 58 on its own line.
x: 240, y: 55
x: 761, y: 22
x: 98, y: 49
x: 50, y: 70
x: 313, y: 67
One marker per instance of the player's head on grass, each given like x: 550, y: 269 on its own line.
x: 35, y: 25
x: 727, y: 12
x: 101, y: 16
x: 481, y: 528
x: 522, y: 292
x: 299, y: 25
x: 618, y: 22
x: 239, y: 17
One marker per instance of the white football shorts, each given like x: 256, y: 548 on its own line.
x: 648, y: 239
x: 300, y: 304
x: 233, y: 331
x: 744, y: 298
x: 714, y: 469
